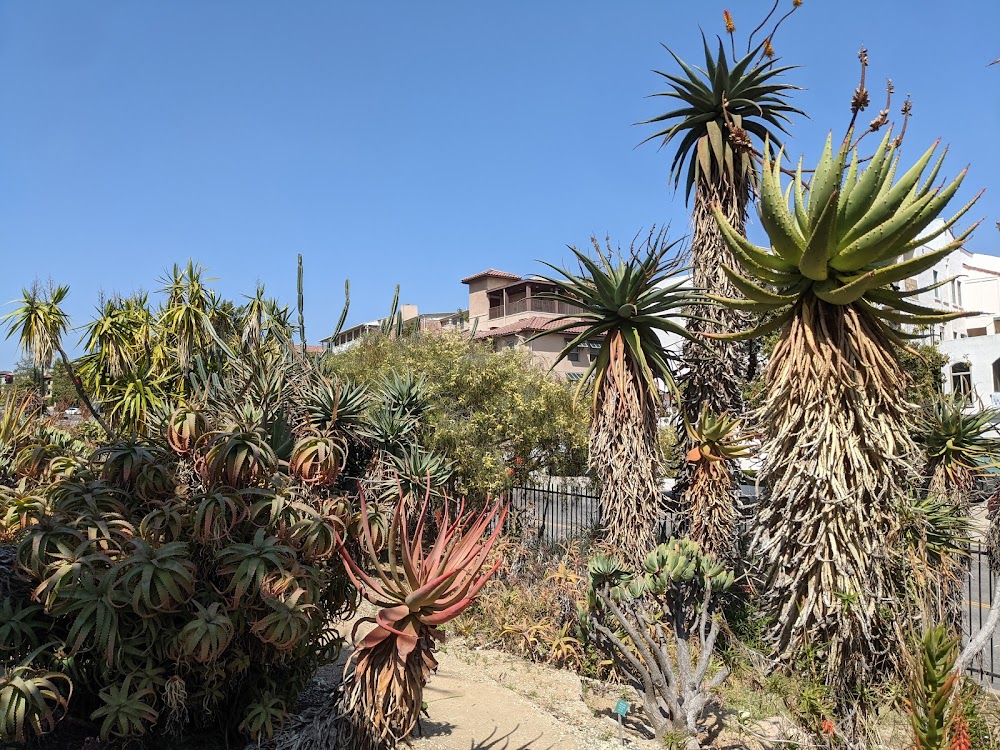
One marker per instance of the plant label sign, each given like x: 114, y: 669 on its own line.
x: 621, y: 707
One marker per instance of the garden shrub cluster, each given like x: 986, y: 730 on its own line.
x: 185, y: 580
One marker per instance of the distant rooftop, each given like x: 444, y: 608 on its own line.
x: 535, y: 324
x: 491, y: 272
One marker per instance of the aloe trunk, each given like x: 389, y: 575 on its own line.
x: 837, y: 479
x: 714, y: 376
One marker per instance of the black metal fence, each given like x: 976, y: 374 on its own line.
x: 985, y: 669
x: 553, y: 514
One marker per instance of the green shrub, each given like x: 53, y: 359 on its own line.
x: 176, y: 585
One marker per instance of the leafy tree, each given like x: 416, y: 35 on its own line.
x: 924, y: 363
x: 496, y: 415
x: 62, y: 391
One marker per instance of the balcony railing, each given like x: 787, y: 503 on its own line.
x: 533, y: 304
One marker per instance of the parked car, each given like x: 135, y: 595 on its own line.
x: 72, y: 411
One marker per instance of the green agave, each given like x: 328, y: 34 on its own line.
x: 843, y: 240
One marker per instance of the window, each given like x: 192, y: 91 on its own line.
x: 574, y: 354
x: 961, y: 378
x: 959, y: 288
x: 954, y: 292
x: 937, y: 289
x: 996, y: 376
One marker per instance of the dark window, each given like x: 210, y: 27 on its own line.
x: 961, y: 378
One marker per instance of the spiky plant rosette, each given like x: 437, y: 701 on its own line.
x: 418, y: 590
x: 625, y: 305
x: 710, y: 495
x: 723, y: 106
x: 839, y: 455
x: 957, y: 446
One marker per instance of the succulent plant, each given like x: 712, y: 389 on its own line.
x: 956, y: 443
x: 33, y: 701
x: 931, y: 688
x: 717, y: 438
x: 206, y: 637
x: 319, y: 458
x: 831, y: 281
x: 723, y: 106
x: 185, y: 427
x: 843, y: 240
x: 417, y: 590
x: 236, y: 459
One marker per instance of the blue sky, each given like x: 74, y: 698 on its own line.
x: 411, y: 143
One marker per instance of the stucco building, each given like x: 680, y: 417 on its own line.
x: 508, y: 310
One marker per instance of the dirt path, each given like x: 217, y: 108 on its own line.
x: 492, y: 701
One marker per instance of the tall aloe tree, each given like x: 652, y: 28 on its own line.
x: 40, y: 324
x: 839, y: 455
x: 724, y: 108
x: 625, y: 304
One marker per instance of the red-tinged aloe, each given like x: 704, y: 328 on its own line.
x: 418, y: 590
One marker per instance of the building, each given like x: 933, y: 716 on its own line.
x: 509, y: 310
x: 965, y: 282
x: 412, y: 321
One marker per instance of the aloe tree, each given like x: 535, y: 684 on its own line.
x: 625, y: 305
x: 40, y: 324
x: 838, y: 451
x: 724, y: 108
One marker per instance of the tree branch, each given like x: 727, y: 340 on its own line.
x: 982, y: 638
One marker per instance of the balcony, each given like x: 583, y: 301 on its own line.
x: 533, y: 304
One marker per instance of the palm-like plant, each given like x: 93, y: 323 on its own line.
x: 40, y: 324
x: 186, y: 317
x: 709, y: 493
x: 724, y: 108
x: 625, y: 305
x: 838, y: 445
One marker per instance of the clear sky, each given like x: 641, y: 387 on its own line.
x: 403, y: 142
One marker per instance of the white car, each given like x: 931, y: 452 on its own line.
x: 72, y: 412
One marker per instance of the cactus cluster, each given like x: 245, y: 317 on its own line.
x: 670, y: 567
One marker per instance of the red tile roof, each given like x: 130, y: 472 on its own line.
x: 315, y: 349
x: 533, y: 325
x: 491, y: 272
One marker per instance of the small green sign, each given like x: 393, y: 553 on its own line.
x: 621, y: 707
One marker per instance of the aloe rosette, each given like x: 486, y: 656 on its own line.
x: 845, y: 240
x: 418, y: 590
x: 716, y: 439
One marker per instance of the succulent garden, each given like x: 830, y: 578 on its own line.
x: 237, y: 511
